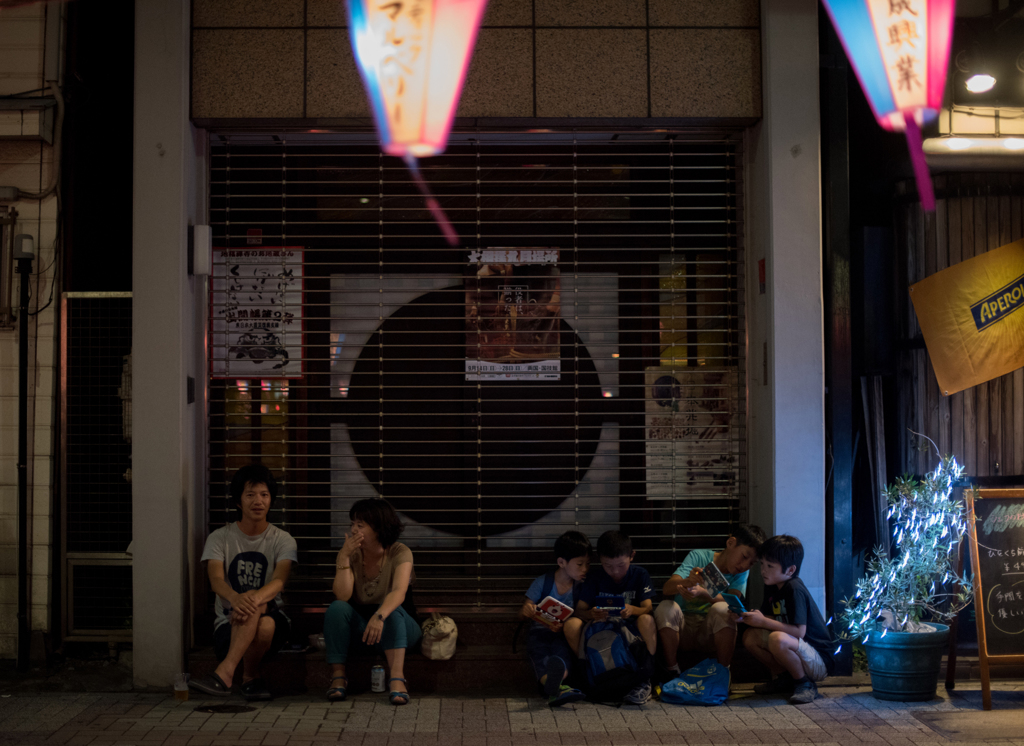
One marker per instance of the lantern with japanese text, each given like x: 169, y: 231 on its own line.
x: 413, y: 56
x: 900, y: 51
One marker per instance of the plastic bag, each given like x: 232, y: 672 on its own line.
x: 705, y: 684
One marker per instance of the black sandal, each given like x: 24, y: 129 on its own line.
x: 210, y: 684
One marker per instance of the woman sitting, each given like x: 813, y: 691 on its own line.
x: 373, y: 575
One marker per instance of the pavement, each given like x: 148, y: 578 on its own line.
x: 844, y: 716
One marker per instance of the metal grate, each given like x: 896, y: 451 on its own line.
x: 95, y: 480
x: 577, y: 362
x: 101, y: 600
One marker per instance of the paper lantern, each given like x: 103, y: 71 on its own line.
x: 413, y: 56
x: 900, y: 52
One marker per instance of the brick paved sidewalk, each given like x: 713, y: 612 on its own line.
x: 846, y: 716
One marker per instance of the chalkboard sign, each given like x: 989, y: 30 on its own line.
x: 997, y: 554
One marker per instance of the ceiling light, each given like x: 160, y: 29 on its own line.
x: 980, y: 83
x: 958, y: 143
x: 1013, y: 143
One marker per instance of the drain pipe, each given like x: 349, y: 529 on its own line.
x: 24, y: 253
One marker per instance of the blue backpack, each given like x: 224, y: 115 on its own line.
x: 615, y: 658
x: 706, y: 684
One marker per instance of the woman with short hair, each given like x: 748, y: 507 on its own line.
x: 372, y: 577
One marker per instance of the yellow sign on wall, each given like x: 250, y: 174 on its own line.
x: 972, y: 318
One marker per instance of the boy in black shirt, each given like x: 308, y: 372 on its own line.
x: 788, y: 634
x: 617, y: 576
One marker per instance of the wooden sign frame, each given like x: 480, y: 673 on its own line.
x: 979, y: 595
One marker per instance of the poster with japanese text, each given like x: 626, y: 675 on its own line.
x: 692, y: 432
x: 513, y: 315
x: 256, y: 313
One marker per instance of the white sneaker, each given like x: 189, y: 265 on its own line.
x: 639, y: 696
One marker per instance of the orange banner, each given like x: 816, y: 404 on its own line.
x: 972, y: 318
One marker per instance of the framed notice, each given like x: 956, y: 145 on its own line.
x: 692, y: 432
x: 996, y: 524
x: 256, y: 313
x: 513, y: 315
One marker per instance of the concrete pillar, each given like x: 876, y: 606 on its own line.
x: 164, y: 460
x: 785, y: 356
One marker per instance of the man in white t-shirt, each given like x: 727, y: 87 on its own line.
x: 248, y: 562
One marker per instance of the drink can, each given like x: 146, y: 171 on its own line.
x: 377, y: 678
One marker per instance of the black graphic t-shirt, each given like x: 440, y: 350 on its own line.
x: 792, y: 604
x: 635, y: 587
x: 249, y: 561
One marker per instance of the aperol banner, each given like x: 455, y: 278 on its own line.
x: 972, y: 319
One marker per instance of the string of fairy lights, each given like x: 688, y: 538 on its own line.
x: 920, y: 577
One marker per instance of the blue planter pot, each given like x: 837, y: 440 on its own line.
x: 904, y: 666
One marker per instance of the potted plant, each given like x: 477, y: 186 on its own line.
x: 900, y: 605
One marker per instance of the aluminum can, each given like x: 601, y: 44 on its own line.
x: 377, y: 678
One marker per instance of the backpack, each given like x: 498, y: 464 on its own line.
x: 706, y: 684
x: 615, y: 658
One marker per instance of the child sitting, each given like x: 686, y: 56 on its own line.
x: 788, y: 634
x: 694, y: 620
x: 617, y: 577
x: 546, y: 648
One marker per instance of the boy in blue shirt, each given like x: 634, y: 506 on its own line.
x: 788, y: 634
x: 547, y: 648
x: 693, y: 619
x: 617, y: 576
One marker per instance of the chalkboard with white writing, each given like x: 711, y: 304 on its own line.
x: 999, y: 523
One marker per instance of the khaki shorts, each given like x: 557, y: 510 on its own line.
x: 696, y: 631
x: 814, y: 666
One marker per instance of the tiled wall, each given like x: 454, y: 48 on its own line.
x: 291, y: 59
x: 27, y: 165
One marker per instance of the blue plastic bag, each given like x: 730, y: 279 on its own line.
x: 705, y: 684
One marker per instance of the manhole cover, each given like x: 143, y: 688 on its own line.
x: 224, y: 709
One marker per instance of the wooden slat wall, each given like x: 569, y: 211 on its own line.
x: 984, y: 425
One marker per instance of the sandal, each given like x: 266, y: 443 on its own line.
x: 398, y: 698
x: 210, y: 684
x: 337, y: 693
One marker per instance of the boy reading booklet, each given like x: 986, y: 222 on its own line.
x: 545, y: 642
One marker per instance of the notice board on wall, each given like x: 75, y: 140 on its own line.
x: 997, y: 556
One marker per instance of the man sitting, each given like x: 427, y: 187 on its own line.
x: 248, y: 562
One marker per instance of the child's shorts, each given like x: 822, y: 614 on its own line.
x: 696, y: 631
x: 541, y: 644
x: 814, y: 666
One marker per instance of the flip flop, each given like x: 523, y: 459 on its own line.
x: 210, y: 684
x: 255, y: 690
x: 398, y: 698
x: 337, y: 693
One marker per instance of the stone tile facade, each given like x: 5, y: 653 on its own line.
x: 292, y: 59
x: 27, y: 163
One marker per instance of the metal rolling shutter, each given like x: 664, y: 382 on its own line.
x: 642, y: 428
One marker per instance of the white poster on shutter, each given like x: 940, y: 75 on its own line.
x: 256, y: 313
x: 692, y: 433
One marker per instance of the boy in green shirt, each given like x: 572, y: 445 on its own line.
x: 696, y: 620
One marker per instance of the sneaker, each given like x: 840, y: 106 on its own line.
x: 804, y: 693
x: 554, y: 672
x: 565, y: 695
x: 639, y: 696
x: 781, y: 684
